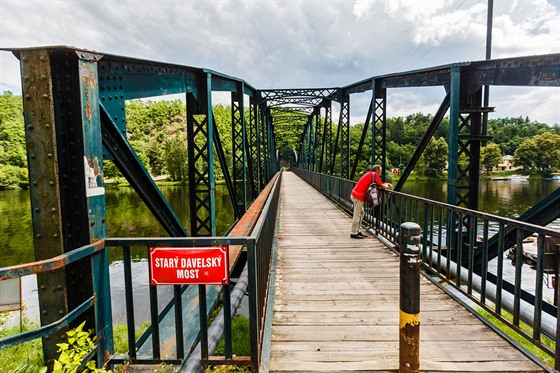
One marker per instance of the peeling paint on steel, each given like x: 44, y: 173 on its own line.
x: 409, y: 319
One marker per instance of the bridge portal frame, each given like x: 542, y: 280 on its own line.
x: 75, y: 117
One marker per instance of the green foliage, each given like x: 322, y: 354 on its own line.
x: 435, y: 157
x: 175, y: 157
x: 540, y: 152
x: 25, y: 357
x: 13, y: 177
x: 120, y: 336
x: 79, y: 345
x: 13, y: 161
x: 509, y: 133
x: 490, y: 156
x: 540, y: 354
x: 241, y: 341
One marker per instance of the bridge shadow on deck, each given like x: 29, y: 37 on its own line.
x: 336, y: 302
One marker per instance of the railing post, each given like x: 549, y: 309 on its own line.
x: 409, y: 331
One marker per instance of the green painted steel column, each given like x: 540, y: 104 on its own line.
x: 95, y: 194
x: 239, y: 139
x: 344, y: 124
x: 453, y: 155
x: 373, y: 122
x: 210, y: 150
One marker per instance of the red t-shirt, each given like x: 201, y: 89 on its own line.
x: 360, y: 189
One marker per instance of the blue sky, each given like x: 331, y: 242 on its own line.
x: 293, y: 44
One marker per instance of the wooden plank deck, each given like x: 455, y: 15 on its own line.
x: 336, y: 302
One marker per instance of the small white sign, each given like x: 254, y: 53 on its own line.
x: 10, y: 295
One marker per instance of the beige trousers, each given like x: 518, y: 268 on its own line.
x: 358, y: 215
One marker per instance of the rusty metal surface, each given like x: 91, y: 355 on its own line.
x: 38, y: 105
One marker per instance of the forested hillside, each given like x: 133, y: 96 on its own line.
x: 157, y: 132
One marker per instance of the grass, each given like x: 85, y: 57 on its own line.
x: 28, y: 357
x: 519, y: 339
x: 241, y: 346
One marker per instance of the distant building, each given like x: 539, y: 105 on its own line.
x: 507, y: 164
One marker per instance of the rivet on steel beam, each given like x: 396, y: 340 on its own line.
x: 32, y: 156
x: 103, y: 220
x: 34, y: 183
x: 51, y: 183
x: 59, y: 287
x: 45, y: 312
x: 49, y: 155
x: 43, y: 287
x: 37, y: 209
x: 47, y: 125
x: 61, y: 312
x: 39, y: 236
x: 53, y: 209
x: 29, y: 128
x: 55, y: 235
x: 45, y: 95
x: 28, y: 97
x: 92, y: 223
x: 24, y: 58
x: 42, y: 58
x: 44, y: 77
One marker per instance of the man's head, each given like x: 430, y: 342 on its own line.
x: 376, y: 168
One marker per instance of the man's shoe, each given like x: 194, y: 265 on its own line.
x: 361, y: 234
x: 356, y: 236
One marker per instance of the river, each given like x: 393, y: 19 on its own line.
x: 127, y: 216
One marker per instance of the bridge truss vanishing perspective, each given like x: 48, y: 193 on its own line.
x: 75, y: 117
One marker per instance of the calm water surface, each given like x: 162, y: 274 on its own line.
x: 127, y: 216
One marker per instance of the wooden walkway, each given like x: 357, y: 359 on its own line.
x: 336, y: 302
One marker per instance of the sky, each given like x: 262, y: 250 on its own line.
x: 301, y: 44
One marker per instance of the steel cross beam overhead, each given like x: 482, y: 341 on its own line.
x: 75, y: 110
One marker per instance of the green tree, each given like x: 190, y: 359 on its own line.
x: 490, y: 156
x: 435, y: 157
x: 540, y: 152
x: 13, y: 160
x: 175, y: 156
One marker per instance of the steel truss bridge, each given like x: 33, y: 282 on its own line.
x: 75, y: 117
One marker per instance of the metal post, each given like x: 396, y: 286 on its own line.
x: 409, y: 331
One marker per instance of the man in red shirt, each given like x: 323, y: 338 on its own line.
x: 358, y: 198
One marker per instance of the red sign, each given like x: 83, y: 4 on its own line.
x: 189, y: 265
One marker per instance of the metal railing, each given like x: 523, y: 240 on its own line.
x: 170, y: 336
x: 469, y: 251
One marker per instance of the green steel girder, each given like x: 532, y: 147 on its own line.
x: 344, y: 130
x: 220, y: 153
x: 317, y: 139
x: 438, y: 117
x: 263, y: 144
x: 254, y: 146
x: 63, y: 138
x: 133, y: 170
x: 362, y: 141
x: 543, y: 213
x: 201, y: 164
x: 379, y: 128
x: 238, y: 151
x: 326, y: 143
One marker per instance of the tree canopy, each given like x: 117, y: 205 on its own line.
x: 157, y: 132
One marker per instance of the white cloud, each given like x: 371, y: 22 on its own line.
x: 291, y: 44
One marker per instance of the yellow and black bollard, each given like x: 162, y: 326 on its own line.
x: 409, y: 332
